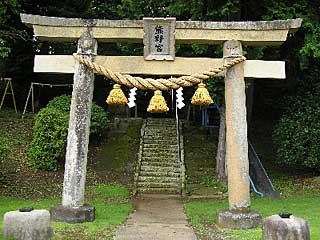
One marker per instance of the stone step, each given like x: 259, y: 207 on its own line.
x: 160, y: 136
x: 145, y: 173
x: 163, y: 133
x: 160, y: 120
x: 160, y: 163
x: 159, y: 179
x: 169, y: 138
x: 160, y: 146
x: 167, y: 171
x: 159, y: 174
x: 159, y: 159
x: 158, y: 184
x: 160, y: 140
x: 162, y: 170
x: 158, y: 190
x: 169, y: 155
x: 161, y: 126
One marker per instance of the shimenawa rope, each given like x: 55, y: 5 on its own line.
x: 161, y: 83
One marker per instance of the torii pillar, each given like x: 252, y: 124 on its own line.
x: 239, y: 215
x: 73, y: 209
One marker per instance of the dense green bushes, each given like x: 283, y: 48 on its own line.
x: 51, y: 129
x: 297, y: 135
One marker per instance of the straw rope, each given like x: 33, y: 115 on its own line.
x: 161, y: 83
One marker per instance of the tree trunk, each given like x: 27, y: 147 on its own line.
x: 221, y: 165
x: 249, y: 99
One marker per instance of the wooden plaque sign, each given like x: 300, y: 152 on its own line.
x: 159, y: 38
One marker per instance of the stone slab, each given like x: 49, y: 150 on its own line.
x: 238, y: 220
x: 82, y: 214
x: 292, y: 228
x: 31, y: 225
x: 250, y: 33
x: 181, y: 66
x: 156, y: 217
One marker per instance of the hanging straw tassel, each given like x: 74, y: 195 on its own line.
x: 201, y: 96
x: 157, y: 103
x: 116, y: 96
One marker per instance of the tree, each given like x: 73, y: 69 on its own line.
x: 216, y: 89
x: 9, y: 34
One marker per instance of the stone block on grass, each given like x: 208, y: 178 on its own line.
x: 288, y: 228
x: 31, y: 225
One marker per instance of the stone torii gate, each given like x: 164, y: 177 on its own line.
x: 231, y: 34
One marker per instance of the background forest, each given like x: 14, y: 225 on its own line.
x: 294, y: 104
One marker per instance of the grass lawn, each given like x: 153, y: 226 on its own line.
x: 112, y: 208
x: 307, y: 207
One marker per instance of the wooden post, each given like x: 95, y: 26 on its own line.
x: 7, y: 84
x: 73, y: 208
x: 238, y: 215
x: 32, y: 97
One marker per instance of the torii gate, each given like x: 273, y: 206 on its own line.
x: 231, y: 34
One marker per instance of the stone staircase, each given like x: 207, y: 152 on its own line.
x: 159, y: 168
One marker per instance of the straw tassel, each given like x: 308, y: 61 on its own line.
x: 157, y: 103
x: 116, y: 96
x: 201, y: 96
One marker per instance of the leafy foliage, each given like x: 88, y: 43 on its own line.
x: 49, y: 140
x: 310, y: 29
x: 297, y: 134
x: 51, y: 129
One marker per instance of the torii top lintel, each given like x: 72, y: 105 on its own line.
x: 188, y: 32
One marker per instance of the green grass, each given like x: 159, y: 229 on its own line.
x: 112, y: 208
x: 304, y: 206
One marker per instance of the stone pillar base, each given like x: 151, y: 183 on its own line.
x: 238, y: 220
x: 59, y: 213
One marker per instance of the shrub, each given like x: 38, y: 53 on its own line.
x: 297, y: 134
x: 49, y: 138
x: 51, y: 129
x: 61, y: 103
x: 98, y: 115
